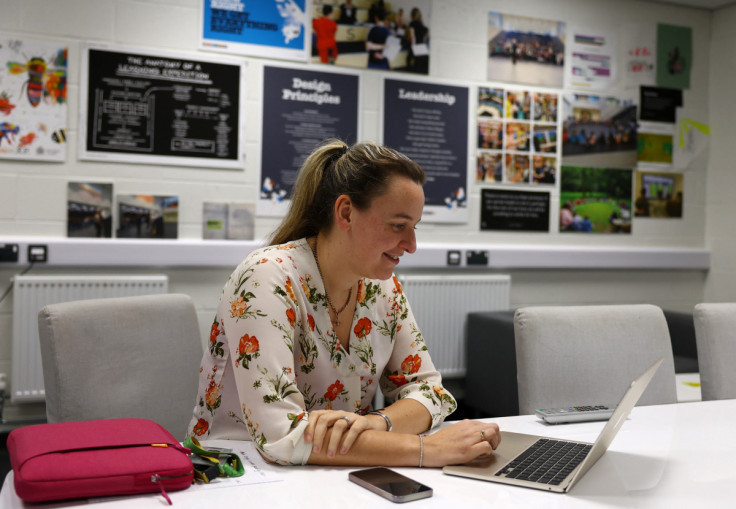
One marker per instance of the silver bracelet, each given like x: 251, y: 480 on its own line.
x: 389, y: 427
x: 421, y: 450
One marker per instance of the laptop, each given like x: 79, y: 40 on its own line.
x: 551, y: 464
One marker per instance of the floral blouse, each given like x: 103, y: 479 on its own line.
x: 273, y: 355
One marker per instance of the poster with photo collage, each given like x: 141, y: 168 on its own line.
x: 517, y: 132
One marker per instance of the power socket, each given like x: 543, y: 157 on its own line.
x: 37, y: 253
x: 9, y: 252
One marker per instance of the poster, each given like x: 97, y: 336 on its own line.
x: 507, y: 210
x: 517, y: 136
x: 595, y: 200
x: 388, y: 36
x: 592, y: 59
x: 599, y: 131
x: 143, y: 216
x: 658, y: 104
x: 674, y: 56
x: 89, y: 209
x: 429, y: 123
x: 658, y: 195
x: 33, y: 100
x: 160, y: 108
x: 262, y: 28
x: 639, y: 43
x: 301, y: 108
x: 655, y: 148
x: 692, y: 139
x: 525, y: 50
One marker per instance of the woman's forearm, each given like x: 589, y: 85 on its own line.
x: 374, y: 448
x: 407, y: 416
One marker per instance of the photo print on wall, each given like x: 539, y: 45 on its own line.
x: 526, y: 50
x: 143, y: 216
x: 372, y: 34
x: 595, y: 200
x: 89, y: 210
x: 517, y: 136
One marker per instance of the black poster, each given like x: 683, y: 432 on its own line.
x: 658, y: 104
x: 429, y: 123
x: 514, y: 210
x: 162, y: 109
x: 301, y: 108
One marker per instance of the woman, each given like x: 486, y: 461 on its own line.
x: 309, y: 327
x: 419, y: 38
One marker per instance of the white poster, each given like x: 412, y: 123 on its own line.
x: 639, y: 45
x: 691, y: 139
x: 591, y: 57
x: 33, y: 107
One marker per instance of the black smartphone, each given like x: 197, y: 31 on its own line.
x: 389, y: 484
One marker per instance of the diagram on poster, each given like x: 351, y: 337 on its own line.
x: 591, y: 56
x: 33, y: 106
x: 160, y: 109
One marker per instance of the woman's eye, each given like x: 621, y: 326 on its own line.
x: 398, y: 227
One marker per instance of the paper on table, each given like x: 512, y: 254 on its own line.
x: 256, y: 469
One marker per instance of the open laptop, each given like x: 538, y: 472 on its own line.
x: 547, y: 463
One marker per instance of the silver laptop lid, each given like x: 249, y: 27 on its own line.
x: 632, y: 395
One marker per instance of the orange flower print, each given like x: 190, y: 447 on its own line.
x: 361, y: 291
x: 310, y: 319
x: 398, y: 380
x: 238, y: 307
x: 214, y: 332
x: 411, y: 364
x: 398, y: 285
x: 363, y: 327
x: 211, y: 394
x: 264, y: 260
x: 290, y: 289
x: 291, y: 315
x: 201, y: 427
x: 334, y: 390
x: 248, y: 345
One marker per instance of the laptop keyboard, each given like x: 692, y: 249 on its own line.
x: 546, y: 461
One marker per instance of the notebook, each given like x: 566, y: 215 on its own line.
x: 513, y: 461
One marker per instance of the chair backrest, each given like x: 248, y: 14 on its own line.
x: 121, y: 357
x: 584, y: 355
x: 715, y: 334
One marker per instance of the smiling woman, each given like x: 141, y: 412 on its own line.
x: 309, y: 328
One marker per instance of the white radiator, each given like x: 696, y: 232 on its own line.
x: 31, y: 293
x: 440, y: 304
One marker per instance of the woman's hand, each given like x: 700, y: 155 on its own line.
x: 345, y: 428
x: 460, y: 443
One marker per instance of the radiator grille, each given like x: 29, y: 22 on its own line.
x: 31, y: 293
x: 440, y: 304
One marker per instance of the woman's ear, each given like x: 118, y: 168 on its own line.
x: 344, y: 212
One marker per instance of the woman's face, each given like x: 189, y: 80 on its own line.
x: 384, y: 231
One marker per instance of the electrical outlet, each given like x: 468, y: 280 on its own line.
x: 37, y: 253
x: 9, y: 253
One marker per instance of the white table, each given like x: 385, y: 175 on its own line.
x: 666, y: 456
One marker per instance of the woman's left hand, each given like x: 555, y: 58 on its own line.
x: 345, y: 428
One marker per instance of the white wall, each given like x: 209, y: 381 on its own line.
x: 721, y: 188
x: 33, y: 195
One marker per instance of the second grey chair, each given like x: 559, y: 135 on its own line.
x: 585, y: 355
x: 122, y: 357
x: 715, y: 334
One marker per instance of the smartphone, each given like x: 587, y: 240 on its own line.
x: 389, y: 484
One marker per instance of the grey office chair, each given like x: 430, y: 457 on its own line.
x: 121, y: 357
x: 583, y: 355
x: 715, y: 335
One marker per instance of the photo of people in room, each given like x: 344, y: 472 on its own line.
x: 525, y: 50
x: 372, y: 34
x: 595, y: 200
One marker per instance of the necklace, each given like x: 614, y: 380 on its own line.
x: 329, y: 302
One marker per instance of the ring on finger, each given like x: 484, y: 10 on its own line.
x: 482, y: 435
x: 347, y: 420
